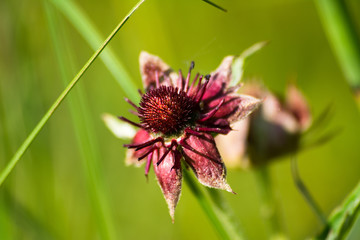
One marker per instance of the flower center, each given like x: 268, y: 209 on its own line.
x: 167, y: 110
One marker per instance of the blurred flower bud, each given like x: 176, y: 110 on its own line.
x: 270, y: 132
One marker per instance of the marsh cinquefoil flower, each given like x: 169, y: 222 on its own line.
x: 178, y: 119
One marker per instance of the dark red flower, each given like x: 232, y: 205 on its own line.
x: 178, y: 119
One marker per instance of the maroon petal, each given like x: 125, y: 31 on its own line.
x: 203, y: 157
x: 234, y: 108
x: 149, y: 65
x: 169, y: 175
x: 219, y: 80
x: 131, y: 155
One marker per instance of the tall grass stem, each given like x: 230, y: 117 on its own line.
x: 341, y: 32
x: 269, y: 209
x: 225, y: 229
x: 305, y: 192
x: 75, y: 15
x: 22, y: 149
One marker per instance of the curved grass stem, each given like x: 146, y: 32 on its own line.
x: 22, y: 149
x: 216, y: 214
x: 87, y: 29
x: 269, y: 207
x: 233, y: 226
x: 341, y: 32
x: 305, y: 192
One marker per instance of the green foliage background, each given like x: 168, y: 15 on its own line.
x: 49, y: 194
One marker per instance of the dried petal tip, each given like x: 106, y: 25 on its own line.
x: 219, y: 183
x: 169, y: 175
x: 150, y: 65
x: 247, y: 105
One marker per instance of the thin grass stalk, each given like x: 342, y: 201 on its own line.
x: 22, y: 149
x: 86, y: 136
x: 268, y: 202
x: 224, y: 228
x: 73, y: 13
x: 341, y: 33
x: 224, y: 209
x: 305, y: 192
x: 343, y: 217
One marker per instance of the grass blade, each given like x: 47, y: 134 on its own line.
x: 92, y: 36
x: 341, y: 33
x: 305, y: 192
x: 220, y: 219
x: 22, y: 149
x: 342, y: 218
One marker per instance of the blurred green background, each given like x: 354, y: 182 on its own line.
x: 61, y: 189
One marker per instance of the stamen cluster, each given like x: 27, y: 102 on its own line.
x: 167, y: 110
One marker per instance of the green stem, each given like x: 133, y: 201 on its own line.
x: 81, y: 22
x: 22, y: 149
x: 224, y: 209
x: 305, y: 192
x: 224, y: 228
x: 268, y: 208
x: 341, y: 33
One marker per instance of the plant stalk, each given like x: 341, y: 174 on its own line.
x: 268, y: 202
x: 341, y: 33
x: 305, y: 192
x: 219, y: 218
x: 22, y: 149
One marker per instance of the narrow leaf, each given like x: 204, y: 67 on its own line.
x: 342, y: 218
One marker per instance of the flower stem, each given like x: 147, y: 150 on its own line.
x: 217, y: 216
x: 22, y: 149
x: 305, y: 192
x: 341, y: 33
x: 225, y: 210
x: 268, y: 208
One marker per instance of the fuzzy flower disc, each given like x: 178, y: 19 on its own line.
x: 167, y: 110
